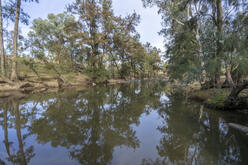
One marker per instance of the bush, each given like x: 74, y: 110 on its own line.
x: 217, y: 101
x: 99, y: 76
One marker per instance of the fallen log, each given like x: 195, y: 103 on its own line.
x: 239, y: 127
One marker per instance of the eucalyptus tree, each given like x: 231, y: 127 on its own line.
x: 90, y: 37
x: 109, y: 27
x: 152, y: 61
x: 205, y: 41
x: 110, y: 42
x: 188, y: 25
x: 3, y: 71
x: 126, y: 42
x: 236, y: 57
x: 7, y: 12
x: 14, y: 76
x: 54, y: 42
x: 89, y: 13
x: 181, y: 29
x: 54, y: 39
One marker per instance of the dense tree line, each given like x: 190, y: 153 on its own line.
x: 206, y: 40
x: 86, y: 38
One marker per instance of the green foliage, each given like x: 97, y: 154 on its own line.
x: 203, y: 38
x: 99, y: 76
x: 90, y: 38
x: 217, y: 101
x: 51, y: 38
x: 212, y: 97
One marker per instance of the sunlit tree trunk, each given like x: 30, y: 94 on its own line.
x: 14, y: 76
x: 220, y: 36
x: 3, y: 71
x: 229, y: 76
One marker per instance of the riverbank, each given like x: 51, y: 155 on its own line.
x: 215, y: 98
x: 32, y: 84
x: 38, y: 77
x: 211, y: 98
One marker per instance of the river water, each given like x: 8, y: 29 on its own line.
x: 129, y: 124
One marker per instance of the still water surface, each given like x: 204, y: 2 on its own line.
x: 128, y: 124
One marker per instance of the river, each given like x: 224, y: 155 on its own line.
x: 139, y: 123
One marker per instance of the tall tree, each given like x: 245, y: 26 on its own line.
x: 14, y: 75
x: 3, y: 71
x: 54, y: 40
x: 191, y: 29
x: 94, y: 40
x: 89, y: 19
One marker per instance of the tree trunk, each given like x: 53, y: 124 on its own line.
x: 3, y: 71
x: 234, y: 101
x: 219, y: 27
x: 220, y: 37
x: 197, y: 36
x: 14, y: 76
x: 239, y: 127
x: 229, y: 77
x: 236, y: 90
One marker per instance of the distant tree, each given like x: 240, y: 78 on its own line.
x: 89, y: 13
x: 90, y: 38
x: 152, y: 61
x: 54, y: 40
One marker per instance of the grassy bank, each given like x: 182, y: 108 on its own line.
x: 37, y: 77
x: 214, y: 98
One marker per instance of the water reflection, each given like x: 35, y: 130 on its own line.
x: 89, y: 126
x: 209, y: 142
x: 12, y: 118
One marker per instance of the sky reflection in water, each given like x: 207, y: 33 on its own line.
x: 136, y: 123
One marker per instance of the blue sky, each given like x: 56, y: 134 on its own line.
x: 150, y: 21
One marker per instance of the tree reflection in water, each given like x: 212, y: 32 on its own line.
x: 208, y: 142
x: 13, y: 118
x: 91, y: 124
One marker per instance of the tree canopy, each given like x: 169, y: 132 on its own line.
x: 205, y: 41
x: 86, y: 38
